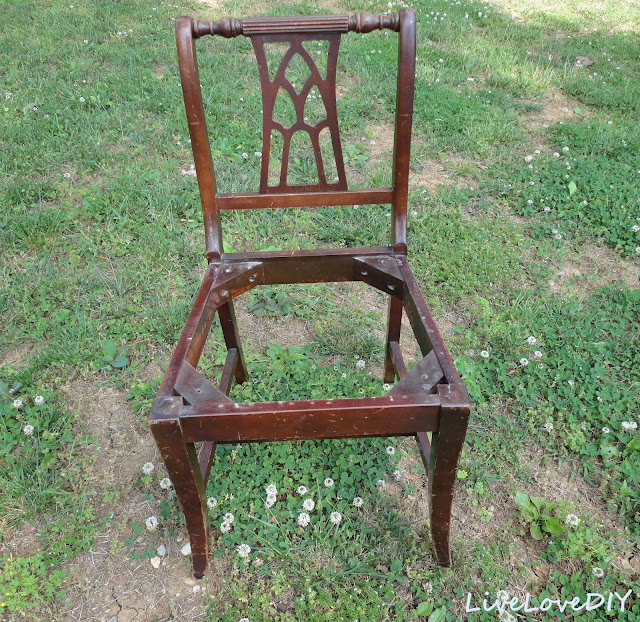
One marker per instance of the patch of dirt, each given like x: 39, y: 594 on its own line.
x: 16, y: 356
x: 555, y: 107
x: 20, y: 542
x: 108, y: 584
x: 592, y: 268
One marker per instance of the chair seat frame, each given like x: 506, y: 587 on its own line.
x: 190, y: 409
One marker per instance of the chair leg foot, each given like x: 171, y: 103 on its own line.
x: 181, y: 460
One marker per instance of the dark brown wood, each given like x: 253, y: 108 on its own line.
x: 446, y: 447
x: 189, y: 408
x: 207, y: 451
x: 326, y: 87
x: 229, y: 325
x: 182, y: 465
x: 422, y: 379
x: 190, y: 80
x: 402, y: 134
x: 394, y: 324
x: 354, y: 196
x: 424, y: 325
x: 251, y: 26
x: 398, y: 361
x: 399, y: 415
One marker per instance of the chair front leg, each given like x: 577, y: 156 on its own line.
x: 446, y: 447
x: 182, y: 465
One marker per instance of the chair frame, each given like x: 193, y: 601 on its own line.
x: 430, y: 398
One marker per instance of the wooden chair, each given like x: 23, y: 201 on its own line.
x: 189, y: 409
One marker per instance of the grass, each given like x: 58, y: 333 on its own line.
x: 102, y: 253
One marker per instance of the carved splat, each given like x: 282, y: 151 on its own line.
x: 319, y: 88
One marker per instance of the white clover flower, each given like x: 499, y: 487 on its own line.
x: 228, y: 518
x: 484, y: 354
x: 524, y: 362
x: 629, y: 425
x: 635, y: 228
x: 308, y: 505
x: 381, y: 483
x: 571, y: 520
x: 391, y: 450
x: 361, y: 364
x: 537, y: 354
x: 244, y: 550
x: 304, y: 519
x: 558, y: 236
x: 358, y: 501
x: 548, y: 426
x: 258, y: 562
x: 245, y: 155
x: 151, y: 523
x: 532, y: 340
x: 28, y: 430
x: 556, y: 154
x: 302, y: 490
x: 528, y: 158
x: 565, y: 149
x: 67, y: 175
x: 570, y: 382
x: 165, y: 483
x: 82, y: 100
x: 606, y: 430
x: 212, y: 502
x: 271, y: 489
x: 258, y: 154
x: 328, y: 482
x: 38, y: 399
x: 245, y: 619
x: 597, y: 572
x: 637, y: 250
x: 17, y: 403
x: 225, y: 527
x: 147, y: 468
x: 386, y: 386
x: 271, y: 499
x: 546, y: 209
x: 335, y: 518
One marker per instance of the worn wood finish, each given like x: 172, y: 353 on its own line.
x: 353, y: 196
x: 399, y: 415
x: 444, y: 456
x: 189, y: 408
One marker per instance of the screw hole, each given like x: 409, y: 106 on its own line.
x: 252, y: 278
x: 391, y: 286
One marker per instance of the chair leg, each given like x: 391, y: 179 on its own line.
x: 393, y: 334
x: 229, y: 325
x: 446, y: 447
x: 181, y: 460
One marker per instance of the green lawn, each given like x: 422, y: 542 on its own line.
x: 524, y: 234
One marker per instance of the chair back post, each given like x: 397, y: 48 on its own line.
x: 402, y: 134
x: 190, y: 80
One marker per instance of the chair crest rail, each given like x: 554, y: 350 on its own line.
x: 230, y: 27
